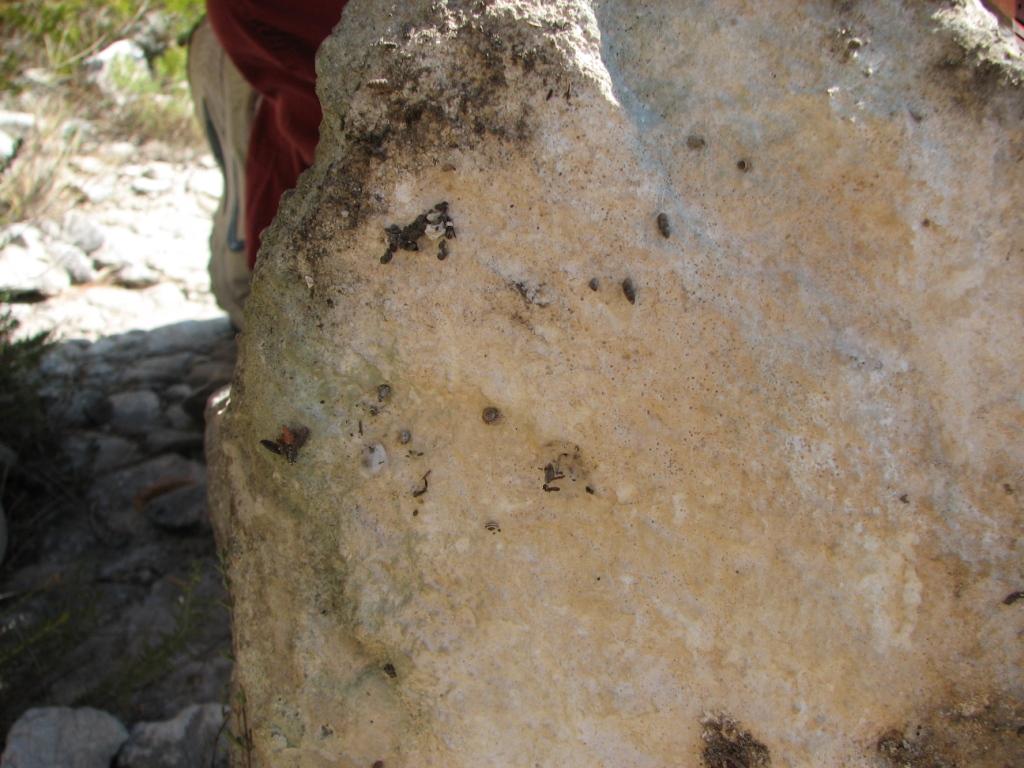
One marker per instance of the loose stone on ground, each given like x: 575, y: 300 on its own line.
x: 61, y: 736
x: 193, y: 738
x: 123, y: 561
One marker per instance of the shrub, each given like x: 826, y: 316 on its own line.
x: 22, y: 418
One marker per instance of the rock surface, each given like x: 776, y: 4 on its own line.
x: 8, y: 149
x: 17, y: 123
x: 74, y: 261
x: 119, y: 70
x: 65, y: 737
x: 192, y: 739
x: 80, y: 231
x: 703, y: 442
x: 26, y: 267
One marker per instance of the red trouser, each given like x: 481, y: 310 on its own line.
x: 273, y: 44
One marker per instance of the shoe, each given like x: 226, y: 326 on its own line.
x: 225, y: 105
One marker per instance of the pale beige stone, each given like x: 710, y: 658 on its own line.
x: 803, y: 434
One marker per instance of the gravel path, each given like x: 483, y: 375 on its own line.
x: 111, y: 595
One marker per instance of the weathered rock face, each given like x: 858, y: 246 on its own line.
x: 736, y: 485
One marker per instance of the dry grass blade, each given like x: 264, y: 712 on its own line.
x: 30, y: 187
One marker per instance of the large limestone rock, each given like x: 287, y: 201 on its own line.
x: 736, y: 485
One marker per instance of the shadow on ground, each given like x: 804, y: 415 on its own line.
x: 111, y: 594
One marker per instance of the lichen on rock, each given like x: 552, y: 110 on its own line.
x: 769, y: 465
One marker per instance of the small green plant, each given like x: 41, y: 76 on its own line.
x: 242, y: 742
x: 157, y: 105
x: 22, y: 416
x: 172, y: 66
x: 158, y: 659
x: 37, y: 487
x: 59, y: 34
x: 40, y: 629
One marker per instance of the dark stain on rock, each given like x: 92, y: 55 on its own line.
x: 974, y: 79
x: 389, y: 670
x: 413, y: 114
x: 663, y: 225
x: 629, y: 289
x: 565, y: 468
x: 531, y: 293
x: 844, y: 42
x: 464, y: 99
x: 1013, y: 597
x: 383, y: 392
x: 430, y: 107
x: 974, y: 730
x: 436, y: 222
x: 426, y: 486
x: 693, y: 141
x: 406, y: 238
x: 900, y: 751
x: 728, y: 745
x: 552, y: 472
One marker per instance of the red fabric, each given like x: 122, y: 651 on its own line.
x: 273, y: 44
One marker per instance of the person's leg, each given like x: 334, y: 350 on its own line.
x: 225, y: 105
x: 273, y: 45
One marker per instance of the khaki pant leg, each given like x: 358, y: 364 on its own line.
x: 225, y: 105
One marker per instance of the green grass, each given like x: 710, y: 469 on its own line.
x: 22, y: 418
x: 30, y: 184
x: 158, y: 107
x: 36, y: 487
x: 158, y: 658
x: 59, y: 34
x: 41, y: 628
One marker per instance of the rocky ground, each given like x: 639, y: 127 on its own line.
x: 112, y: 607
